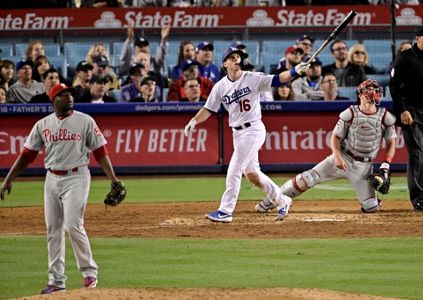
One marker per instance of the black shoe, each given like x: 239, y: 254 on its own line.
x: 419, y: 206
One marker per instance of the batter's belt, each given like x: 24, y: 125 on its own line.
x: 356, y: 157
x: 63, y: 172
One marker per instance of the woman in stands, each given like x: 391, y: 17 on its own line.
x: 41, y: 64
x: 186, y: 51
x: 34, y: 50
x: 285, y: 92
x: 7, y: 73
x: 358, y: 55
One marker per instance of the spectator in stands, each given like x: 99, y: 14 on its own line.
x: 292, y: 57
x: 347, y: 74
x: 84, y: 73
x: 186, y: 51
x: 25, y: 87
x: 402, y: 47
x: 309, y: 85
x: 7, y: 73
x: 144, y: 3
x: 204, y: 55
x: 50, y: 79
x: 132, y: 90
x: 305, y: 42
x: 192, y: 88
x: 285, y: 92
x: 147, y: 90
x: 132, y: 46
x: 3, y: 94
x: 96, y: 93
x: 102, y: 68
x: 358, y: 55
x: 41, y: 64
x: 264, y: 3
x: 190, y: 71
x: 329, y: 86
x: 35, y: 49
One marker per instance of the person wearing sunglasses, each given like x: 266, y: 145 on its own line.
x: 358, y: 56
x: 347, y: 74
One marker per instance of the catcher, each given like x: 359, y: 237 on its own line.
x: 355, y: 142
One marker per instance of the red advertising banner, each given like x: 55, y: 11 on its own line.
x: 200, y: 18
x: 295, y: 138
x: 133, y: 140
x: 136, y: 140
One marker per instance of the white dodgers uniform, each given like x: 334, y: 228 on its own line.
x: 241, y: 98
x: 67, y: 143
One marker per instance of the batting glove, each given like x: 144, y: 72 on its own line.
x: 190, y: 126
x: 300, y: 69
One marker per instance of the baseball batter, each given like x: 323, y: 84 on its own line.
x: 66, y: 136
x: 355, y: 142
x: 239, y: 92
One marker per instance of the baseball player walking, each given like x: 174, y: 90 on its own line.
x: 239, y: 92
x: 66, y: 136
x: 355, y: 142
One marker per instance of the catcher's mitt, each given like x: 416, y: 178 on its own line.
x: 380, y: 180
x: 116, y: 195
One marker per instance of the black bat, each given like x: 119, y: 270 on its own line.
x: 334, y: 33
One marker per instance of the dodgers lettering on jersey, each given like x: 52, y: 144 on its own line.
x: 241, y: 98
x: 67, y: 141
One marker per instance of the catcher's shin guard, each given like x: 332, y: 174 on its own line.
x: 300, y: 183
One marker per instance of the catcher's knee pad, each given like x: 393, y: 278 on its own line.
x: 300, y: 183
x: 371, y: 205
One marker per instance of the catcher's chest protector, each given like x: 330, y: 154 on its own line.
x: 365, y: 132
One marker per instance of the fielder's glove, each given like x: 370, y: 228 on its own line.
x: 116, y: 195
x: 380, y: 180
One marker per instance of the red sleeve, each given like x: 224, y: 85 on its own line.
x: 29, y: 155
x: 100, y: 152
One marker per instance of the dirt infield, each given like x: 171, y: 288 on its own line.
x: 307, y: 219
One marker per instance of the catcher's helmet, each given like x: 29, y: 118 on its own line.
x: 372, y: 89
x: 231, y: 50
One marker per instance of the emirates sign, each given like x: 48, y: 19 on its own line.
x: 212, y: 17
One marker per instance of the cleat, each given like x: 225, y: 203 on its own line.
x: 51, y: 288
x: 90, y: 282
x: 262, y: 207
x: 284, y: 208
x: 219, y: 216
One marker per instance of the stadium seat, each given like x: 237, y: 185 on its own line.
x: 59, y: 63
x: 269, y: 59
x: 6, y: 50
x: 116, y: 94
x: 347, y: 91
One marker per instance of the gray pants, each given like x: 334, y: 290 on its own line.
x: 65, y: 199
x: 413, y: 137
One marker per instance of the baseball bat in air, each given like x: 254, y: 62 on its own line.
x: 334, y: 33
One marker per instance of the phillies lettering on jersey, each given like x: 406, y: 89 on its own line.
x: 241, y: 98
x: 66, y: 141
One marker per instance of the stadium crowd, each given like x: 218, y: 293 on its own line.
x: 142, y: 75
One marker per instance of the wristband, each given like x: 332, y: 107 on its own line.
x: 388, y: 159
x: 293, y: 72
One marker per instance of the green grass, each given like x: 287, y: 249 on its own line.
x: 389, y: 267
x: 190, y: 189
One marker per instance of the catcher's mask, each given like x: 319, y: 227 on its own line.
x: 371, y: 89
x: 231, y: 50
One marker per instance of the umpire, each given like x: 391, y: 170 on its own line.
x: 406, y: 90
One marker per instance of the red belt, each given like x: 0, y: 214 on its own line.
x: 358, y: 158
x: 63, y: 172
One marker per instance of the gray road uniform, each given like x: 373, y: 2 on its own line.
x: 67, y: 143
x: 361, y: 135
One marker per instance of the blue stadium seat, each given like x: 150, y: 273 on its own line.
x: 269, y: 59
x: 59, y: 63
x: 276, y: 46
x: 347, y: 91
x: 6, y: 50
x: 116, y: 94
x: 77, y: 51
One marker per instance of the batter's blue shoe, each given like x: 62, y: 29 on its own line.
x: 219, y: 216
x: 284, y: 208
x: 51, y: 288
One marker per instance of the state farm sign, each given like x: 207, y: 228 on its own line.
x: 211, y: 18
